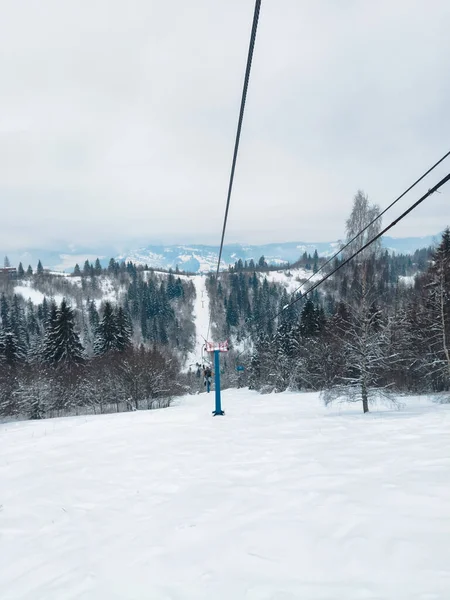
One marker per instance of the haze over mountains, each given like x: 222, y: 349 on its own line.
x: 196, y: 258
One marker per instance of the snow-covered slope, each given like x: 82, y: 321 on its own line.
x: 29, y: 293
x: 201, y: 320
x: 292, y: 279
x: 280, y: 499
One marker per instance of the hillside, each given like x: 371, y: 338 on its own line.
x: 279, y: 499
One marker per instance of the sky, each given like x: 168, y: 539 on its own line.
x: 118, y: 119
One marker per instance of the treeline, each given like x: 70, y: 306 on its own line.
x: 45, y: 369
x: 146, y: 331
x: 139, y: 378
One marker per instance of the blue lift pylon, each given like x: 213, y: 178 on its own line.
x: 218, y: 409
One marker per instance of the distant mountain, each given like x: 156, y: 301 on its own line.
x: 204, y: 258
x: 199, y: 258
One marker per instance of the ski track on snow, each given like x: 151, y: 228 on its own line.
x: 281, y: 499
x: 201, y: 319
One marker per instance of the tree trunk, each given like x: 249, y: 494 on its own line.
x: 364, y: 396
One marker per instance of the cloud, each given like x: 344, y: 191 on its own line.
x: 118, y: 121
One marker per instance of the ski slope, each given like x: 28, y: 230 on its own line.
x: 281, y: 499
x: 292, y: 279
x: 201, y: 319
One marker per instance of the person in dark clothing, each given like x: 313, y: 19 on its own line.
x: 207, y: 373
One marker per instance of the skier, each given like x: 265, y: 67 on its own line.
x: 207, y: 373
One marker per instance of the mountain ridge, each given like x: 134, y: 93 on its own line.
x: 199, y: 258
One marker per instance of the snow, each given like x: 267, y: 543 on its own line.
x: 281, y: 499
x: 292, y: 283
x: 109, y: 293
x: 36, y: 297
x: 407, y: 280
x: 60, y: 273
x: 208, y: 263
x: 201, y: 319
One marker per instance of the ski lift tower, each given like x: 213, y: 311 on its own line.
x: 216, y: 349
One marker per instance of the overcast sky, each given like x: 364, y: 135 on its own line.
x: 117, y: 119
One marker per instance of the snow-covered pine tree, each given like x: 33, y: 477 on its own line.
x: 437, y: 328
x: 13, y: 352
x: 124, y: 330
x: 4, y: 310
x: 107, y: 334
x: 19, y: 325
x: 62, y: 343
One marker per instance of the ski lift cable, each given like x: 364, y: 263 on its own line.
x: 430, y: 192
x: 238, y: 134
x: 413, y: 185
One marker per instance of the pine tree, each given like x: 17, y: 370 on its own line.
x: 309, y: 325
x: 50, y: 326
x: 4, y: 310
x: 29, y: 271
x: 232, y: 318
x: 97, y: 267
x: 20, y: 271
x: 124, y: 330
x: 171, y: 287
x: 40, y: 268
x: 107, y: 334
x: 32, y: 322
x: 12, y: 350
x: 45, y: 310
x: 19, y: 325
x: 6, y: 263
x: 262, y: 263
x: 316, y: 262
x: 77, y: 270
x: 113, y: 267
x: 86, y: 268
x: 436, y: 319
x: 93, y: 317
x: 62, y: 345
